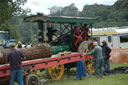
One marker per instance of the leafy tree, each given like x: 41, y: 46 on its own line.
x: 9, y: 8
x: 120, y: 4
x: 11, y: 29
x: 115, y: 15
x: 70, y: 10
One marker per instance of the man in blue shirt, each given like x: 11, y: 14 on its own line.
x: 15, y: 59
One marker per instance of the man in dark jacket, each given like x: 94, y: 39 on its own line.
x: 86, y: 30
x: 14, y: 58
x: 106, y: 53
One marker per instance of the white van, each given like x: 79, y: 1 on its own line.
x: 116, y: 37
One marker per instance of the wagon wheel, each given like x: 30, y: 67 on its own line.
x: 89, y: 66
x: 56, y: 72
x: 83, y: 48
x: 32, y: 79
x: 79, y: 36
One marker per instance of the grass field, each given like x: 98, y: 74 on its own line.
x: 115, y: 79
x: 118, y: 79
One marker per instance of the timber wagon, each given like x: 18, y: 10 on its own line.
x: 62, y: 34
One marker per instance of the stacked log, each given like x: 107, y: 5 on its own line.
x: 39, y: 51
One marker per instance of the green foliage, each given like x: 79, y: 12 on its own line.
x: 26, y: 31
x: 115, y: 15
x: 9, y: 8
x: 120, y: 4
x: 11, y: 28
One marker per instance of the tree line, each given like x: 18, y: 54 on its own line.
x: 107, y: 15
x: 12, y: 15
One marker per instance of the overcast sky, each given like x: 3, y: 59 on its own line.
x: 43, y: 5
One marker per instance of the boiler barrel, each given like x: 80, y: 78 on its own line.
x: 60, y: 48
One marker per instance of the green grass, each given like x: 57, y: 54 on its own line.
x: 118, y: 79
x: 115, y: 79
x: 114, y: 65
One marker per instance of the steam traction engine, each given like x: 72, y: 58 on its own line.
x: 63, y: 34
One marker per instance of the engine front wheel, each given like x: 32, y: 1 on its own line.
x: 89, y: 66
x: 79, y: 36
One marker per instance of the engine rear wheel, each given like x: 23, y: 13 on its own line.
x: 83, y: 48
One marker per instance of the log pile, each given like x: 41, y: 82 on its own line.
x: 39, y: 51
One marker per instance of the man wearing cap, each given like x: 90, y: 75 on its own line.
x: 14, y: 58
x: 106, y: 50
x: 97, y: 59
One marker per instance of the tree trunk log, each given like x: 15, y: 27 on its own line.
x: 39, y: 51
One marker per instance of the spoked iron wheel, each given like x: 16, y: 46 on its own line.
x: 89, y: 66
x: 56, y: 72
x: 79, y: 36
x: 32, y: 79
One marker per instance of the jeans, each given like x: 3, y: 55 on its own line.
x: 18, y: 74
x: 106, y: 65
x: 80, y: 70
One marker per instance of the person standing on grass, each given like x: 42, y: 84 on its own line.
x: 97, y: 59
x: 15, y: 59
x: 106, y: 54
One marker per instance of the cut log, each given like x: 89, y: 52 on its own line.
x: 39, y: 51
